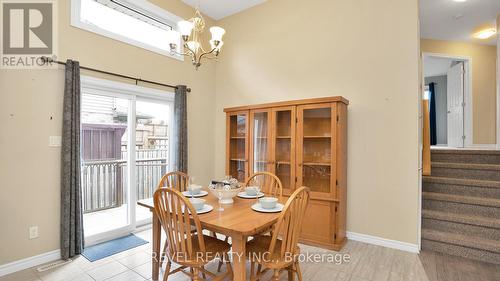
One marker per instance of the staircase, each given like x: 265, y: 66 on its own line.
x: 461, y: 204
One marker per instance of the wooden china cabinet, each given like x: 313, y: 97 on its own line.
x: 303, y: 142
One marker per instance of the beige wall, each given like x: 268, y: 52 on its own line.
x: 293, y: 49
x: 483, y: 83
x: 498, y: 80
x: 29, y: 169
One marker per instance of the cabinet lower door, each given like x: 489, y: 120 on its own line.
x: 319, y: 223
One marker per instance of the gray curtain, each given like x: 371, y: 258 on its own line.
x: 72, y: 241
x: 180, y: 141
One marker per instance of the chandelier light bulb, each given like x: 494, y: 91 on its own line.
x: 193, y: 45
x: 185, y: 27
x: 217, y: 33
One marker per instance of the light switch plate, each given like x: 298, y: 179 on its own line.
x: 55, y: 141
x: 33, y: 232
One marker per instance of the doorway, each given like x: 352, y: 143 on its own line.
x: 125, y: 151
x: 447, y: 81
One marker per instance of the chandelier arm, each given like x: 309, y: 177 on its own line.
x: 211, y: 58
x: 181, y: 54
x: 189, y: 49
x: 207, y: 53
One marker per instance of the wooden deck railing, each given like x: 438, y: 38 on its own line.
x: 103, y: 182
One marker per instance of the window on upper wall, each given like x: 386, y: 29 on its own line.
x: 136, y: 22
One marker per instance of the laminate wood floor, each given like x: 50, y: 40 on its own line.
x: 442, y: 267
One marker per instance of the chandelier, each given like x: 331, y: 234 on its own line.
x: 190, y: 32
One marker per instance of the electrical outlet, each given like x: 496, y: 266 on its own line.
x: 55, y: 141
x: 33, y: 232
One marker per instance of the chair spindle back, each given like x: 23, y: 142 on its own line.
x: 177, y: 216
x: 289, y: 224
x: 270, y: 184
x: 175, y: 180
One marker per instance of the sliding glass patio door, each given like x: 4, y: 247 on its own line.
x: 125, y: 151
x: 151, y: 150
x: 104, y: 172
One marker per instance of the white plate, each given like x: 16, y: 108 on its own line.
x: 201, y: 194
x: 206, y: 208
x: 257, y: 207
x: 243, y: 194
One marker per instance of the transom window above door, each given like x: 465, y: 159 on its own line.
x: 138, y: 23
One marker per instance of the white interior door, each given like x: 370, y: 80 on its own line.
x: 455, y: 96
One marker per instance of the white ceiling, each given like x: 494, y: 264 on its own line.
x: 436, y: 66
x: 456, y: 21
x: 218, y: 9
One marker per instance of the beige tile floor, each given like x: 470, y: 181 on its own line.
x: 367, y: 263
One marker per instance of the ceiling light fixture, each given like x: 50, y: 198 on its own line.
x: 190, y: 33
x: 459, y: 0
x: 485, y: 33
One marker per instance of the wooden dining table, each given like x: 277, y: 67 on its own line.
x: 237, y: 221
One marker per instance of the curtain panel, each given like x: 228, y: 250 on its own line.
x: 432, y: 112
x: 72, y: 238
x: 180, y: 138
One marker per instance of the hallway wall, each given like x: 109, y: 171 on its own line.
x: 483, y: 60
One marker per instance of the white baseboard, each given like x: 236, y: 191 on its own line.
x: 19, y: 265
x: 394, y: 244
x: 484, y: 146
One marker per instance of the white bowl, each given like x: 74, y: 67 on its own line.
x: 227, y: 195
x: 251, y: 190
x: 194, y: 189
x: 197, y: 203
x: 268, y: 202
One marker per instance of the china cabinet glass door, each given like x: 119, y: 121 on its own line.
x: 260, y: 141
x: 238, y: 158
x: 283, y: 159
x: 315, y: 126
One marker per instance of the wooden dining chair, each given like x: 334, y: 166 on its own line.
x: 178, y: 181
x: 269, y: 183
x: 279, y: 251
x: 175, y: 180
x: 188, y: 249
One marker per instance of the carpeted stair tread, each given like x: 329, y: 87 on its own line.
x: 461, y: 240
x: 461, y: 204
x: 461, y: 218
x: 466, y: 156
x: 465, y: 151
x: 464, y: 182
x: 460, y: 251
x: 465, y: 166
x: 489, y: 172
x: 490, y: 202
